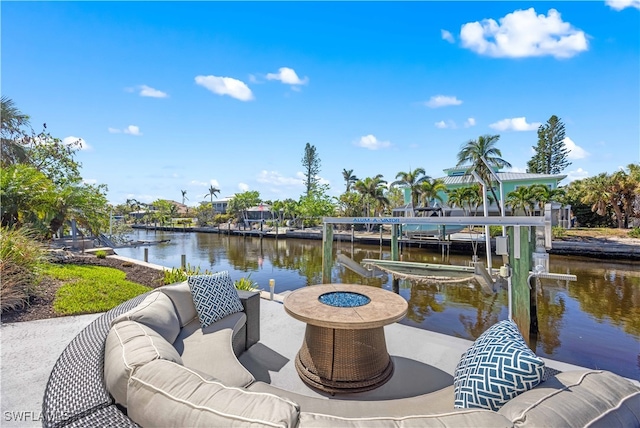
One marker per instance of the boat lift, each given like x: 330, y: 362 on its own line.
x: 523, y: 249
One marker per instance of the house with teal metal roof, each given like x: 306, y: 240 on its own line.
x: 457, y: 177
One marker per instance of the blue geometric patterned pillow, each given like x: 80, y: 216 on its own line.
x: 497, y: 367
x: 214, y: 296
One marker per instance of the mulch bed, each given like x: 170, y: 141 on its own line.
x: 41, y: 306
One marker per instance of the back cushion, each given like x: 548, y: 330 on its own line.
x: 162, y: 393
x: 180, y: 295
x: 577, y: 398
x: 156, y: 311
x: 130, y: 345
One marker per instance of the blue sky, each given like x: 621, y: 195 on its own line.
x: 177, y: 96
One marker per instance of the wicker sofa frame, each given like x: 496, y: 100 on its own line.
x: 76, y: 395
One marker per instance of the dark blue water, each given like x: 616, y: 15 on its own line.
x: 593, y: 322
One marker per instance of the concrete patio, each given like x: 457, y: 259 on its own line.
x: 424, y: 361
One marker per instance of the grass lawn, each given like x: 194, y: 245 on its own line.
x: 90, y: 289
x: 597, y: 232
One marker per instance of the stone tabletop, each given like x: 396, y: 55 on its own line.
x: 384, y: 308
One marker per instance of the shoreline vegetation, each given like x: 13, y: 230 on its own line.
x: 605, y: 243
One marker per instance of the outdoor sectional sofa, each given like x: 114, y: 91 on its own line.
x: 149, y: 363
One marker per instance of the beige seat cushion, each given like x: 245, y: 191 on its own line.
x: 577, y: 399
x: 165, y: 394
x: 210, y: 350
x: 180, y: 295
x: 130, y: 345
x: 455, y: 418
x: 156, y: 311
x: 440, y: 401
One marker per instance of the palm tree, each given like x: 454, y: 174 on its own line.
x: 11, y: 147
x: 473, y: 152
x: 543, y: 195
x: 184, y: 196
x: 430, y: 190
x: 349, y: 178
x: 372, y: 190
x: 522, y: 198
x: 466, y: 198
x: 213, y: 191
x: 412, y: 180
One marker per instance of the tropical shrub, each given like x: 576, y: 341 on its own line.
x: 20, y: 257
x: 635, y: 232
x: 101, y: 254
x: 246, y: 283
x: 178, y: 274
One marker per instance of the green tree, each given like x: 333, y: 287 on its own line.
x: 349, y: 178
x: 350, y: 204
x: 13, y: 121
x: 551, y: 152
x: 543, y: 195
x: 213, y: 191
x: 26, y: 195
x: 85, y: 203
x: 372, y: 190
x: 474, y: 151
x: 466, y: 197
x: 316, y: 205
x: 311, y: 164
x: 430, y: 190
x: 521, y: 199
x: 240, y: 202
x: 184, y: 196
x: 412, y: 180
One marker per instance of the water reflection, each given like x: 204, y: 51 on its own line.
x: 593, y: 322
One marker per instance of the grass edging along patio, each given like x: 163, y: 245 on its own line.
x: 91, y: 289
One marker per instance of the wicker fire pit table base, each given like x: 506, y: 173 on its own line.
x: 344, y: 348
x: 339, y: 361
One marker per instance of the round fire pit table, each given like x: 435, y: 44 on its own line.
x: 344, y: 348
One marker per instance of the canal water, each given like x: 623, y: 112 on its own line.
x: 592, y: 322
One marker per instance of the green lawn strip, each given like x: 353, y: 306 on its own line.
x: 91, y: 289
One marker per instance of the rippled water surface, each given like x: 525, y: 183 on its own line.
x: 593, y: 322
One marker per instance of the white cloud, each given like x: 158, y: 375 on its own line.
x: 446, y: 35
x: 372, y: 143
x: 147, y: 91
x: 515, y: 124
x: 622, y: 4
x: 469, y: 122
x: 277, y: 179
x: 79, y: 142
x: 442, y: 101
x: 287, y: 76
x: 575, y: 151
x: 524, y: 34
x: 226, y: 86
x: 578, y: 174
x: 243, y: 187
x: 212, y: 182
x: 449, y: 124
x: 132, y: 130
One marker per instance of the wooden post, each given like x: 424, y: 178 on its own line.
x: 521, y: 246
x: 183, y: 261
x: 394, y: 242
x: 146, y: 255
x: 327, y: 252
